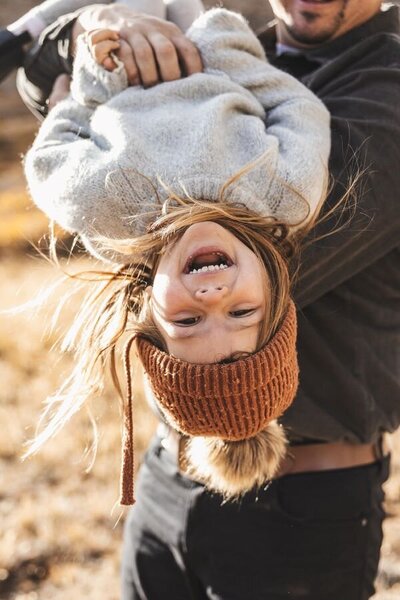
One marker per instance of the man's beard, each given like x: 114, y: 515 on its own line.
x: 319, y: 36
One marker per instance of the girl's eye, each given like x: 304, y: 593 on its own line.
x: 187, y: 322
x: 242, y: 313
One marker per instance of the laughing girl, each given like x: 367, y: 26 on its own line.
x: 197, y: 190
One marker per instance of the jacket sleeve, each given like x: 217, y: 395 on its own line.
x: 183, y: 12
x: 66, y: 170
x: 363, y: 102
x: 296, y: 121
x: 50, y: 10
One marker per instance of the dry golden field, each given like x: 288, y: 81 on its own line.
x: 60, y: 531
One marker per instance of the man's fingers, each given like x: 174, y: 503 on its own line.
x: 166, y: 57
x: 145, y: 60
x: 125, y: 54
x: 189, y: 55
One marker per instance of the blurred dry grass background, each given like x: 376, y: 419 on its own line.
x: 59, y: 538
x: 58, y: 535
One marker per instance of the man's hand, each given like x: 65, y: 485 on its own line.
x: 152, y: 50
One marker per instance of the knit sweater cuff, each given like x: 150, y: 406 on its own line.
x: 91, y: 83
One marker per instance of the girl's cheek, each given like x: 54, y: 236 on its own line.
x: 166, y: 294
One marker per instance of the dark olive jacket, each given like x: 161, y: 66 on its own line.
x: 348, y: 292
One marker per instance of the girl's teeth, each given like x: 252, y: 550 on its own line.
x: 209, y: 268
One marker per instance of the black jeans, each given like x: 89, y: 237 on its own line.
x: 311, y: 536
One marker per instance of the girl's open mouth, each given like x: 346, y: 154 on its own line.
x: 207, y: 260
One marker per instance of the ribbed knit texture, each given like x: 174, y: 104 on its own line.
x: 96, y: 164
x: 233, y: 401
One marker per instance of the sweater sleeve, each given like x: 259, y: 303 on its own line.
x: 91, y: 83
x: 74, y: 176
x: 296, y: 121
x: 181, y: 12
x: 47, y: 12
x: 363, y: 100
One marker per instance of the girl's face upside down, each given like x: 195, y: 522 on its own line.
x: 209, y: 295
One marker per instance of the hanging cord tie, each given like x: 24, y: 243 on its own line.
x: 127, y: 470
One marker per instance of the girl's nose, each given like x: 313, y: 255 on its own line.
x: 211, y: 294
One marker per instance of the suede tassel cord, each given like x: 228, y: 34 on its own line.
x: 127, y: 497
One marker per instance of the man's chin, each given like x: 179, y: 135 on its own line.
x: 311, y: 36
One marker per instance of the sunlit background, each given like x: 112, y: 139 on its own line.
x: 59, y: 535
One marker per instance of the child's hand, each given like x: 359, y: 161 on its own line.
x: 101, y: 43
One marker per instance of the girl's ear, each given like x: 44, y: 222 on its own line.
x: 148, y: 291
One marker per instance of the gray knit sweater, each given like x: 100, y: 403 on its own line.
x: 103, y: 156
